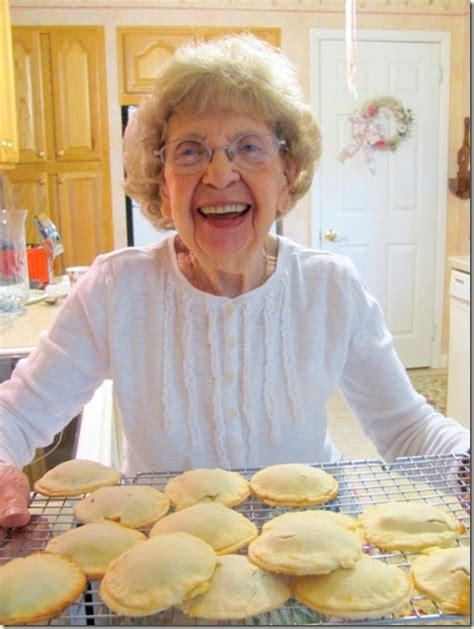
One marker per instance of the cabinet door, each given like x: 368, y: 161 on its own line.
x: 79, y: 197
x: 142, y: 50
x: 8, y: 124
x: 29, y: 95
x: 77, y: 79
x: 28, y: 189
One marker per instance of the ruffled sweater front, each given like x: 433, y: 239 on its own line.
x: 202, y: 380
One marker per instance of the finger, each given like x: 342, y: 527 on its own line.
x: 14, y: 514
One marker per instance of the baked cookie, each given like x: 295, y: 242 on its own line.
x: 207, y: 485
x: 333, y: 517
x: 38, y: 587
x: 134, y: 506
x: 293, y: 485
x: 93, y: 546
x: 305, y: 547
x: 371, y: 589
x: 222, y: 528
x: 410, y: 526
x: 444, y: 575
x: 165, y: 570
x: 238, y: 589
x: 76, y: 477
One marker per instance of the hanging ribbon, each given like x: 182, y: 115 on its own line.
x: 351, y: 50
x: 368, y: 136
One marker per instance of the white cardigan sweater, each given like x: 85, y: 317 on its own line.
x: 203, y: 380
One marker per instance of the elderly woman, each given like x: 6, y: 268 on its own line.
x: 224, y: 342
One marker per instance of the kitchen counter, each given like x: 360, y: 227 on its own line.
x: 460, y: 263
x: 21, y: 335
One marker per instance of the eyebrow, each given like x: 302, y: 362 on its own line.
x: 201, y: 138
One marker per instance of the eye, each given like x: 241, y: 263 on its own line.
x: 252, y: 149
x: 188, y: 152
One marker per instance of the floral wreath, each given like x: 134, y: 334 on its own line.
x: 369, y: 135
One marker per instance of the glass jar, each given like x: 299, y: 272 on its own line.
x: 14, y: 281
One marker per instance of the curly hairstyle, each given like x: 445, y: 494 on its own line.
x: 237, y: 73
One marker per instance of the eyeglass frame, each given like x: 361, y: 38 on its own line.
x: 278, y: 144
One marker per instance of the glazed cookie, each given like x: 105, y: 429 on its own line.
x: 207, y: 485
x: 444, y: 575
x: 308, y: 547
x: 293, y: 485
x: 93, y: 546
x: 371, y: 589
x: 410, y: 526
x: 38, y: 587
x: 222, y: 528
x: 165, y: 570
x: 134, y: 506
x: 238, y: 590
x: 76, y: 477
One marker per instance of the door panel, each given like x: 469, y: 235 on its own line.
x: 28, y: 189
x: 76, y: 97
x: 79, y: 199
x: 386, y: 221
x: 29, y: 95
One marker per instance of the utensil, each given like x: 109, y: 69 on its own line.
x: 51, y: 240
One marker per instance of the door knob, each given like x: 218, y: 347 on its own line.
x: 59, y: 153
x: 330, y: 235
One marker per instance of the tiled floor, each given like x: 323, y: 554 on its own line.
x: 346, y: 431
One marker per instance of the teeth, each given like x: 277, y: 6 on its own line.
x: 224, y: 209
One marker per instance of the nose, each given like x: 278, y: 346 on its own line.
x: 220, y: 170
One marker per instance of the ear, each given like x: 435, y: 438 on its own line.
x: 290, y: 172
x: 165, y: 200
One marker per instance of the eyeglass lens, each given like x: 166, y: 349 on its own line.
x: 248, y: 151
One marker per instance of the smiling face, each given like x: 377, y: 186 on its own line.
x: 223, y: 212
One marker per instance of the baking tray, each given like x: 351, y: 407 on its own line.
x: 362, y: 484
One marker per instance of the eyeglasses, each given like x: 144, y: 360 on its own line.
x: 247, y: 151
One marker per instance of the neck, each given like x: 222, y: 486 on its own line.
x: 223, y: 282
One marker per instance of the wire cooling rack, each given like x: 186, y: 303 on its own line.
x: 440, y: 481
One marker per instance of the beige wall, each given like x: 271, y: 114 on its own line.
x: 295, y: 20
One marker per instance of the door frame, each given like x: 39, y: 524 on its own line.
x: 444, y: 40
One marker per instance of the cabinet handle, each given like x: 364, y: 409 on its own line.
x: 59, y: 153
x: 40, y: 153
x: 6, y: 144
x: 42, y: 181
x: 61, y: 179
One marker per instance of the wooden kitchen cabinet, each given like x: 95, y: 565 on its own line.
x: 27, y: 188
x: 61, y: 97
x: 77, y: 194
x: 141, y: 51
x: 64, y: 169
x: 71, y: 198
x: 8, y: 123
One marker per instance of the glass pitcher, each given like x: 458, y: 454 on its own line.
x: 14, y: 281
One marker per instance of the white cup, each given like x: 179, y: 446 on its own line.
x: 75, y: 272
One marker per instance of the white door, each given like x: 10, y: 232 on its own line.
x: 386, y: 221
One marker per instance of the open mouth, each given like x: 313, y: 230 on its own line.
x: 219, y: 212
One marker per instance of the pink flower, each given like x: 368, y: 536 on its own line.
x: 382, y: 145
x: 371, y: 111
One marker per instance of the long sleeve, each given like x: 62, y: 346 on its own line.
x: 51, y: 386
x: 394, y: 416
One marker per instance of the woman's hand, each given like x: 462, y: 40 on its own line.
x: 14, y: 497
